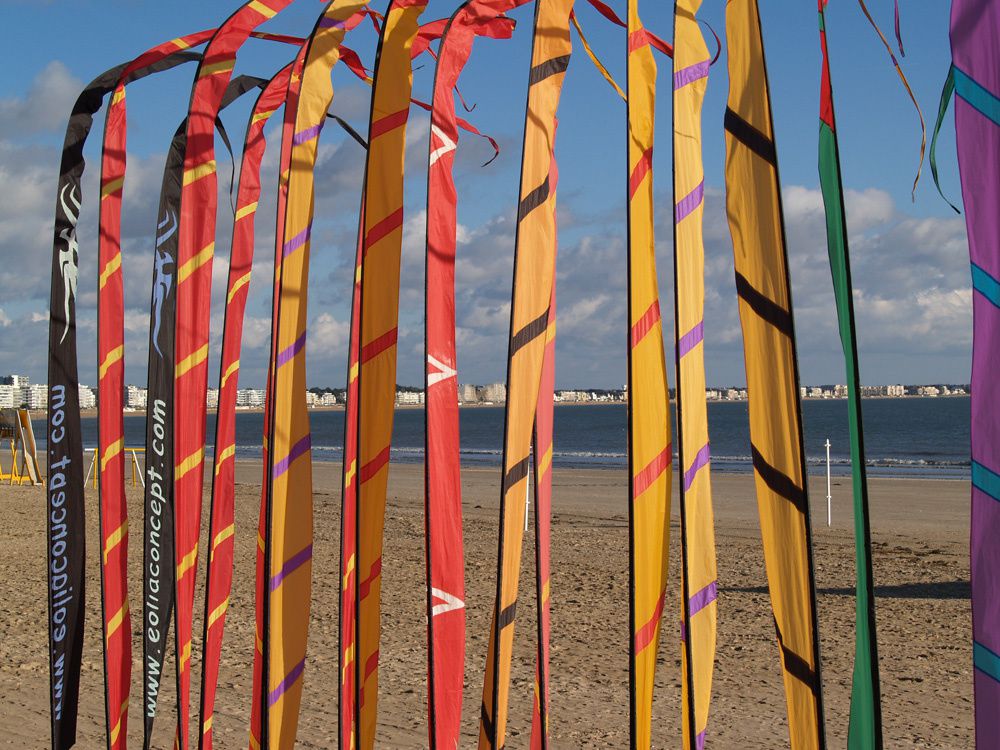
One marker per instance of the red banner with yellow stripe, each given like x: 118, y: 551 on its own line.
x: 650, y: 453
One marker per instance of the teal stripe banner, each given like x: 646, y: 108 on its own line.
x: 986, y: 480
x: 979, y: 97
x: 986, y: 660
x: 986, y: 285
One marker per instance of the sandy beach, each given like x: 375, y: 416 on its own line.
x: 920, y: 547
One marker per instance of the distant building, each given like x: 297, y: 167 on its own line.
x: 317, y: 400
x: 18, y: 381
x: 494, y: 393
x: 928, y: 390
x: 7, y: 392
x: 35, y: 396
x: 19, y: 384
x: 250, y: 398
x: 896, y: 391
x: 87, y: 398
x: 467, y: 393
x: 135, y: 397
x: 840, y: 391
x: 212, y: 398
x: 409, y: 398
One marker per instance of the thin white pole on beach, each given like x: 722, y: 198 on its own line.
x: 138, y: 469
x: 829, y: 499
x: 92, y: 465
x: 527, y: 504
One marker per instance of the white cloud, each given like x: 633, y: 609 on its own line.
x: 45, y: 106
x: 328, y: 337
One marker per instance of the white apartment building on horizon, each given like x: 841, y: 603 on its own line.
x: 36, y: 397
x: 88, y: 399
x: 250, y: 398
x: 14, y: 389
x: 327, y: 399
x: 409, y: 398
x: 135, y: 397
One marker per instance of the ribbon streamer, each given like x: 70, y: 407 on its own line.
x: 947, y: 91
x: 909, y: 91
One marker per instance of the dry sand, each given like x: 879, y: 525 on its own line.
x: 920, y: 540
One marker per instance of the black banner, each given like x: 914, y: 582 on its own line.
x: 158, y: 534
x: 65, y: 519
x: 158, y: 537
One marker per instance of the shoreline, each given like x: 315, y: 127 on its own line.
x: 38, y: 414
x: 815, y: 470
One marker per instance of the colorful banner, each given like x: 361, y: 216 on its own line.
x: 257, y: 704
x: 288, y: 528
x: 65, y: 519
x: 196, y: 249
x: 649, y: 454
x: 753, y: 202
x: 381, y: 246
x: 158, y: 576
x: 219, y: 573
x: 111, y: 443
x: 111, y: 430
x: 347, y: 692
x: 975, y: 51
x: 865, y: 724
x: 158, y: 552
x: 534, y: 276
x: 542, y: 478
x: 699, y: 609
x: 443, y: 508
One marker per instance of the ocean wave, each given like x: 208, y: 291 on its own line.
x: 619, y: 458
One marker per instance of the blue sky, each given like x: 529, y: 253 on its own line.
x: 910, y: 258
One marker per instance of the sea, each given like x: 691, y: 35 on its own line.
x: 904, y: 437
